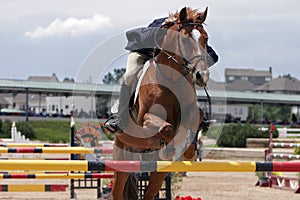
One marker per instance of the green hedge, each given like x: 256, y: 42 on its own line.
x: 45, y: 131
x: 235, y: 135
x: 25, y: 128
x: 52, y: 131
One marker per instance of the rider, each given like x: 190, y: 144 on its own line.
x: 141, y: 44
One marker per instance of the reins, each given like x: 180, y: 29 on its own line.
x: 186, y: 61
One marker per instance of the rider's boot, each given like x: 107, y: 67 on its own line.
x: 118, y: 121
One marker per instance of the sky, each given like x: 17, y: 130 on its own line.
x: 84, y: 39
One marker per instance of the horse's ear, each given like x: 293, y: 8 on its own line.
x: 183, y: 14
x: 202, y: 15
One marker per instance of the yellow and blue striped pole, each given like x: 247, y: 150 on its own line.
x: 33, y: 188
x: 55, y: 176
x: 32, y: 145
x: 148, y: 166
x: 56, y: 150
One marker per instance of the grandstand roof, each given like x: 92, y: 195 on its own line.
x: 54, y: 88
x: 251, y: 97
x: 69, y: 89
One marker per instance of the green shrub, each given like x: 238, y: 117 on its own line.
x: 23, y: 127
x: 235, y: 135
x: 26, y: 129
x: 6, y: 129
x: 45, y: 131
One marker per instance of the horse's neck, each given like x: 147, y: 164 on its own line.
x: 176, y: 80
x: 171, y: 71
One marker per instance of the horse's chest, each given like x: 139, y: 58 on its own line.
x: 162, y: 95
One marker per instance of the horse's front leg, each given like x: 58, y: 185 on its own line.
x: 190, y: 152
x: 159, y: 127
x: 155, y: 183
x: 120, y: 179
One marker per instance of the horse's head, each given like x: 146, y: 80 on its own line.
x: 185, y: 42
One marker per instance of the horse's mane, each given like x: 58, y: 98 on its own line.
x: 192, y: 15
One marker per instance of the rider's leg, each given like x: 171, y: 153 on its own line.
x: 135, y: 62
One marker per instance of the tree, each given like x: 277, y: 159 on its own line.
x: 112, y: 79
x: 68, y: 80
x: 270, y: 112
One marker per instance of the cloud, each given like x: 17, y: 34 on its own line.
x: 71, y: 26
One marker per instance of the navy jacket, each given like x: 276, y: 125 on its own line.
x: 142, y: 40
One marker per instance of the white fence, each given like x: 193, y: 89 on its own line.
x: 288, y: 132
x: 16, y: 136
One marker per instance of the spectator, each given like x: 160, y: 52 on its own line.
x: 34, y: 112
x: 57, y: 113
x: 294, y: 118
x: 82, y: 114
x: 43, y: 113
x: 61, y: 112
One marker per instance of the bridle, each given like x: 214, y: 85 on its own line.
x: 186, y: 65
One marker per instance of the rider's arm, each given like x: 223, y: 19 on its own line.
x: 157, y: 22
x: 213, y: 57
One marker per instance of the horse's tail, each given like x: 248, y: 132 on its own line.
x: 131, y: 189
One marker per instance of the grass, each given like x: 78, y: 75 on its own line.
x: 51, y: 131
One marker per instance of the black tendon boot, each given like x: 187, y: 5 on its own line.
x: 118, y: 121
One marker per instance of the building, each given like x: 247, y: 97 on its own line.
x: 240, y: 85
x: 83, y: 106
x: 3, y: 101
x: 51, y: 104
x: 280, y: 85
x: 37, y: 102
x: 88, y: 104
x: 254, y: 76
x: 241, y: 80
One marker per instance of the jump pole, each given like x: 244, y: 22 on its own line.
x: 149, y: 166
x: 284, y: 145
x: 56, y: 150
x: 32, y: 145
x: 57, y: 176
x: 33, y: 188
x: 284, y: 156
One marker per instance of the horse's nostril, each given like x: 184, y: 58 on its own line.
x: 198, y: 76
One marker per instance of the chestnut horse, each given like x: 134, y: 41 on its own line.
x: 164, y: 113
